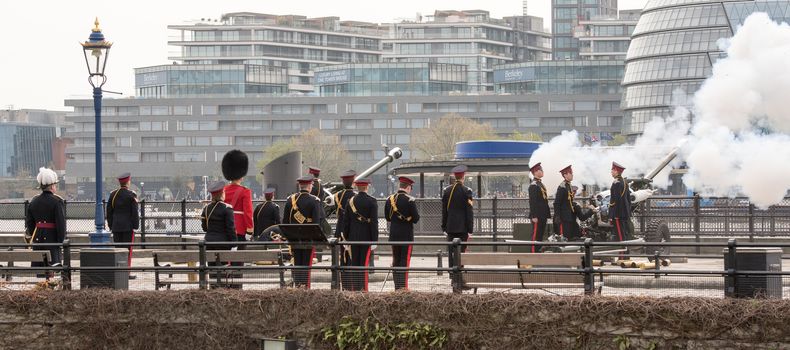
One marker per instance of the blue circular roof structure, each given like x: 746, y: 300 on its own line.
x: 495, y: 149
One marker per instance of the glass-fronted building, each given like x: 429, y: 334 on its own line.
x: 604, y: 38
x: 471, y: 38
x: 565, y: 18
x: 391, y: 79
x: 296, y: 43
x: 24, y: 148
x: 560, y: 77
x: 674, y: 47
x: 220, y: 80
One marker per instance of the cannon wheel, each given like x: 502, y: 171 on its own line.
x: 657, y: 231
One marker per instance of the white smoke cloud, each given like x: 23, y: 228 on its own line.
x: 738, y: 143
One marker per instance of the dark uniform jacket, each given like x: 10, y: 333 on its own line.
x: 564, y: 207
x: 265, y: 215
x: 360, y: 219
x: 123, y: 211
x: 457, y: 213
x: 318, y: 190
x: 620, y: 203
x: 341, y: 200
x: 46, y: 209
x: 307, y: 206
x: 402, y: 216
x: 538, y: 201
x: 217, y: 222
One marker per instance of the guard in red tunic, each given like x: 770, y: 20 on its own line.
x: 234, y: 167
x: 619, y: 205
x: 361, y: 225
x: 539, y: 212
x: 400, y: 210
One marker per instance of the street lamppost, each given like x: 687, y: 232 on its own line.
x: 142, y: 190
x: 96, y: 51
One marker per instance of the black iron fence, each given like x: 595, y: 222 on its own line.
x: 685, y: 216
x: 583, y: 268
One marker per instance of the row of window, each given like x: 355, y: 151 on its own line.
x: 667, y: 68
x: 657, y: 94
x: 682, y: 17
x: 112, y: 111
x: 669, y: 43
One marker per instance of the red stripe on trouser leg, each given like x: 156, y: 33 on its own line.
x: 561, y: 234
x: 129, y: 261
x: 534, y: 234
x: 309, y: 265
x: 619, y: 232
x: 408, y: 262
x: 367, y: 261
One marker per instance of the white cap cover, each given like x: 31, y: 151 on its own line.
x: 46, y: 177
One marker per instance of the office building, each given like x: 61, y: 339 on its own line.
x: 606, y: 38
x: 472, y: 38
x: 673, y: 49
x: 296, y: 43
x: 391, y: 79
x: 566, y: 16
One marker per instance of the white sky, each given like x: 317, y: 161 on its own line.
x: 42, y: 63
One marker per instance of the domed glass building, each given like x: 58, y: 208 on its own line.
x: 674, y: 47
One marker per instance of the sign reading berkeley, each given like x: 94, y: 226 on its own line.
x: 514, y: 75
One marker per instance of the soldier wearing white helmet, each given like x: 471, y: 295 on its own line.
x: 45, y: 218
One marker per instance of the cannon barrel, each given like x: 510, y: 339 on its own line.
x: 664, y: 162
x: 393, y: 154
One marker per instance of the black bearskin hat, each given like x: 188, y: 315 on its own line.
x: 235, y: 165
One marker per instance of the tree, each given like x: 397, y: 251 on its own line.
x: 438, y: 141
x: 618, y: 140
x: 318, y: 149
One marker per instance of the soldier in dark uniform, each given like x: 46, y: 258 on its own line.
x: 217, y: 221
x: 123, y: 214
x: 620, y: 205
x: 266, y: 214
x: 303, y: 208
x: 341, y: 200
x: 318, y: 189
x: 401, y: 211
x: 565, y: 209
x: 539, y: 212
x: 361, y: 224
x: 45, y: 219
x: 457, y: 213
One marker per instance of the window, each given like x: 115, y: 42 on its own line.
x: 127, y: 157
x: 209, y: 110
x: 156, y: 142
x: 355, y: 124
x: 610, y: 121
x: 360, y: 108
x: 202, y: 141
x: 381, y: 123
x: 528, y: 122
x: 580, y: 121
x: 555, y: 106
x: 189, y: 156
x: 361, y: 155
x: 420, y: 123
x: 128, y: 126
x: 290, y: 124
x: 586, y: 106
x: 160, y: 110
x: 527, y: 107
x: 198, y: 125
x: 355, y: 139
x: 399, y: 123
x: 328, y: 124
x: 396, y: 139
x: 221, y: 141
x: 182, y: 110
x: 153, y: 126
x: 157, y: 157
x: 556, y: 122
x: 252, y: 140
x: 124, y: 141
x: 413, y: 108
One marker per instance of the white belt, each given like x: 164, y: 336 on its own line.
x: 238, y: 212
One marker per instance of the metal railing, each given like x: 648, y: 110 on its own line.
x: 703, y: 277
x: 685, y: 217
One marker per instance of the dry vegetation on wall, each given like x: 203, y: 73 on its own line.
x: 231, y: 319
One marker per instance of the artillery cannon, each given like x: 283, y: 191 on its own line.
x: 331, y: 188
x: 595, y: 221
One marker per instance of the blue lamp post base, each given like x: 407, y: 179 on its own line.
x: 100, y: 237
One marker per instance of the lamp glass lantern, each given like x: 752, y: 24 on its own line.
x: 96, y: 50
